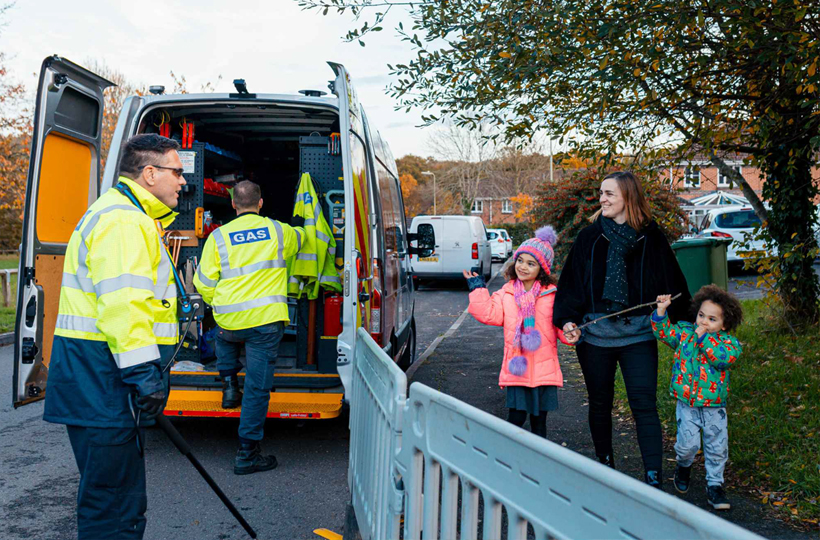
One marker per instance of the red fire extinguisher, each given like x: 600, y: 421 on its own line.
x: 333, y: 315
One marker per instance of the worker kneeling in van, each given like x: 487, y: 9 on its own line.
x: 243, y: 275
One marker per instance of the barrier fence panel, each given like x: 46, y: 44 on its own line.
x: 5, y: 285
x: 379, y: 392
x: 461, y: 466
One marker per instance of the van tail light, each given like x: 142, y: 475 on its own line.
x: 475, y: 250
x: 718, y: 234
x: 500, y: 240
x: 376, y: 303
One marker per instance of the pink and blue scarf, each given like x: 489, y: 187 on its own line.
x: 527, y: 338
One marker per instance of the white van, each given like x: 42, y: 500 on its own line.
x: 271, y: 139
x: 460, y: 244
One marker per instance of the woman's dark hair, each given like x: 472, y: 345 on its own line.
x: 544, y: 278
x: 732, y: 312
x: 638, y: 212
x: 143, y: 150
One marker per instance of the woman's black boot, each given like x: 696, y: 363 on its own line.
x: 607, y: 460
x: 653, y: 478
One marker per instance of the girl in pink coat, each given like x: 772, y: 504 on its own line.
x: 530, y: 370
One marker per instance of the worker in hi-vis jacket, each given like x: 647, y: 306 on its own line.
x: 243, y: 275
x: 116, y: 327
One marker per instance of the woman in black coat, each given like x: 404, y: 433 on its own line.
x: 621, y: 260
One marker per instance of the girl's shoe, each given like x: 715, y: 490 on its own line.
x: 717, y: 497
x: 682, y: 475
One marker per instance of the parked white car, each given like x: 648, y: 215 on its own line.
x: 735, y: 222
x: 461, y: 244
x: 500, y: 243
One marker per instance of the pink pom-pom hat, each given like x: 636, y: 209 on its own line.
x: 540, y: 247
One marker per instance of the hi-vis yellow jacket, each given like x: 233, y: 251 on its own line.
x: 117, y: 282
x: 314, y: 266
x: 243, y: 272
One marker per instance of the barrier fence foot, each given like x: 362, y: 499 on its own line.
x: 351, y: 531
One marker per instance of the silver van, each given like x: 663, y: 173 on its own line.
x: 271, y: 139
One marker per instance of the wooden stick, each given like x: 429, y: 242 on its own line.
x: 590, y: 323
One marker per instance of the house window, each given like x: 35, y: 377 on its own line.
x: 506, y: 206
x: 725, y: 181
x: 691, y: 177
x: 478, y: 207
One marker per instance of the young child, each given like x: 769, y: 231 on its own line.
x: 704, y: 352
x: 530, y: 370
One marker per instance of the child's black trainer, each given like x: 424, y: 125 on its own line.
x: 682, y: 475
x: 717, y: 498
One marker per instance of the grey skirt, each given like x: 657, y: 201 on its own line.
x: 533, y: 400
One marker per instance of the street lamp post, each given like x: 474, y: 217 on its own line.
x: 428, y: 173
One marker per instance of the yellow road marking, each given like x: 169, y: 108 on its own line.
x: 330, y: 535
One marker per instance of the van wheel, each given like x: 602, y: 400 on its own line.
x: 409, y: 354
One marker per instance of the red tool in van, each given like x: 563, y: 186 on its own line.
x: 333, y: 315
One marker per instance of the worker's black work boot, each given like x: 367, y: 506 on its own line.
x: 249, y: 459
x: 231, y: 394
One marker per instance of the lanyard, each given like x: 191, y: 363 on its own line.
x: 185, y: 303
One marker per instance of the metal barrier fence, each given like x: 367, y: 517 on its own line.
x: 379, y: 393
x: 461, y: 468
x: 5, y: 285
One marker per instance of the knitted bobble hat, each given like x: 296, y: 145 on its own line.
x: 540, y: 247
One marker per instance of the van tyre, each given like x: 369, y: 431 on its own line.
x: 409, y: 354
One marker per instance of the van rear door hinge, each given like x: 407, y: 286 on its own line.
x: 29, y: 350
x: 28, y: 275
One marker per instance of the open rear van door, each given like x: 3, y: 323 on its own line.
x: 357, y: 273
x: 63, y: 180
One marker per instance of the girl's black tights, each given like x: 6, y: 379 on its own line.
x: 538, y: 423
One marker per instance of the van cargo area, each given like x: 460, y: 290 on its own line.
x: 271, y: 144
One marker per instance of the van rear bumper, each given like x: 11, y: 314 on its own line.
x: 438, y: 275
x: 299, y: 405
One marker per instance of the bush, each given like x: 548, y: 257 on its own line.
x: 568, y: 203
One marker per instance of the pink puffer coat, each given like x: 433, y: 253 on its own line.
x: 501, y: 310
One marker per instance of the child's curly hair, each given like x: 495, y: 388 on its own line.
x: 732, y: 312
x: 544, y: 278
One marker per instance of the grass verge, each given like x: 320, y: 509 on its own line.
x: 7, y: 313
x: 774, y: 414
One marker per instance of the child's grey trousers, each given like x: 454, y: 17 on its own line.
x: 713, y: 423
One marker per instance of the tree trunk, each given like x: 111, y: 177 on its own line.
x: 747, y: 190
x: 790, y: 190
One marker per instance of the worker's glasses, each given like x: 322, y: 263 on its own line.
x: 177, y: 171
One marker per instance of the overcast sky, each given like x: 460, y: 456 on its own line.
x: 274, y: 45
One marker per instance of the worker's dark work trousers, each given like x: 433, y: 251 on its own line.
x: 639, y: 367
x: 261, y: 351
x: 111, y: 501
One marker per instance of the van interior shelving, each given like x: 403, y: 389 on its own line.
x: 272, y: 145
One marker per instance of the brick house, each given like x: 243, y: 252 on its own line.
x: 494, y: 210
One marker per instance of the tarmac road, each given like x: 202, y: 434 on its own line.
x: 38, y: 476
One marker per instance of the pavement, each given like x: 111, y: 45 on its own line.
x: 466, y: 366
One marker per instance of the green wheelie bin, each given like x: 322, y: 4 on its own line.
x: 703, y: 261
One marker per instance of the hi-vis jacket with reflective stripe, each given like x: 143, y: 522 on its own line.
x: 243, y: 272
x: 118, y: 305
x: 314, y: 266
